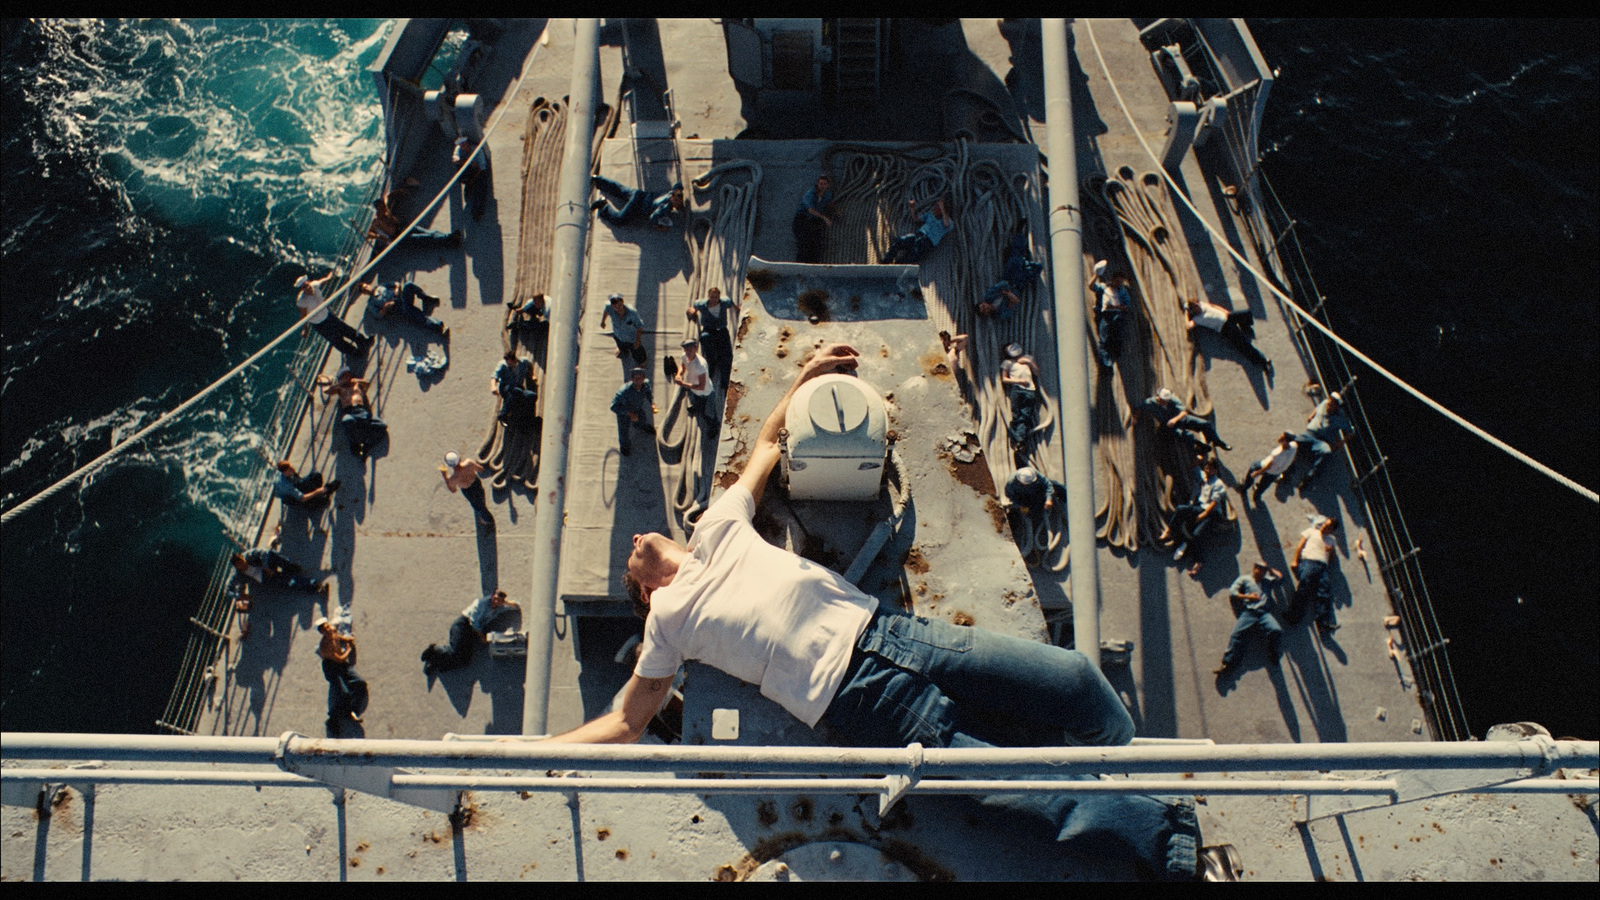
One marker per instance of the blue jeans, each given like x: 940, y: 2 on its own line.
x: 474, y: 494
x: 1319, y: 449
x: 345, y: 339
x: 1312, y: 594
x: 633, y: 202
x: 406, y: 306
x: 347, y: 691
x: 458, y: 653
x: 1110, y: 333
x: 1199, y: 426
x: 908, y: 248
x: 717, y: 348
x: 1252, y: 620
x: 941, y: 685
x: 1024, y: 414
x: 362, y: 429
x: 279, y: 571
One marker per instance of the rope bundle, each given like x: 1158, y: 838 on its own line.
x: 987, y: 207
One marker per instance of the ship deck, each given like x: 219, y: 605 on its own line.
x: 406, y: 556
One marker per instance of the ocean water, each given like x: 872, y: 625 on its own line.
x: 164, y: 182
x: 1446, y: 178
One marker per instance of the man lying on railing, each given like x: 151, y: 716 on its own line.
x: 824, y: 651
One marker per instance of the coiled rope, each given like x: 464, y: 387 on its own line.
x: 1147, y: 476
x: 100, y: 461
x: 1311, y: 320
x: 987, y: 206
x: 719, y: 233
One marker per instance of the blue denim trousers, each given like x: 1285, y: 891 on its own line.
x: 474, y: 494
x: 1253, y: 620
x: 1312, y: 594
x: 1110, y: 333
x: 1199, y: 426
x: 632, y: 206
x: 1024, y: 413
x: 456, y: 654
x: 941, y: 685
x: 1319, y: 450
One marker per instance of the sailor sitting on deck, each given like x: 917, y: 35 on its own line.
x: 386, y: 226
x: 513, y: 383
x: 1193, y: 520
x: 824, y: 651
x: 695, y: 378
x: 1020, y: 375
x: 1020, y: 270
x: 661, y: 213
x: 1237, y: 328
x: 812, y: 220
x: 998, y: 302
x: 1032, y: 494
x: 268, y: 567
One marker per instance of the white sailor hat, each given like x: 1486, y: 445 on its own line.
x: 1165, y: 394
x: 452, y: 458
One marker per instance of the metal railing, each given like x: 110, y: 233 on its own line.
x: 1278, y: 247
x: 244, y: 522
x: 1341, y: 778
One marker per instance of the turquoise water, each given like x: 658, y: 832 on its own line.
x: 164, y: 184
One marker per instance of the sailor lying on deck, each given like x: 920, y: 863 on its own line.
x: 822, y: 649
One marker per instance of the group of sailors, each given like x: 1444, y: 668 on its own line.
x: 704, y: 375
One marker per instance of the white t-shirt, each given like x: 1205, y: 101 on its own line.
x: 757, y: 612
x: 309, y: 300
x: 1211, y: 316
x: 696, y: 368
x: 1318, y: 545
x: 1281, y: 458
x: 1018, y: 371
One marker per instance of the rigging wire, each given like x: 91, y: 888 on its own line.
x: 1306, y: 317
x: 100, y: 461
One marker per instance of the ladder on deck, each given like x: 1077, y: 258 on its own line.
x: 856, y: 56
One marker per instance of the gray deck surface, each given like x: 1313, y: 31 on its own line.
x: 407, y: 557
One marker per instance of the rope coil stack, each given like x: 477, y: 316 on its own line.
x: 1146, y: 484
x: 722, y: 212
x: 987, y: 207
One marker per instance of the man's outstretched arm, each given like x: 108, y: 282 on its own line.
x: 641, y: 699
x: 832, y: 358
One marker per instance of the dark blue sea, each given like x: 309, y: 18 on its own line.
x: 164, y: 182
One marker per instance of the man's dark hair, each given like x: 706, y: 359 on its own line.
x: 635, y: 595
